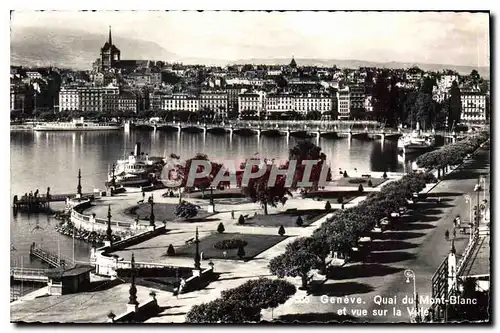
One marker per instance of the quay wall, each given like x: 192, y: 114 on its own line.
x: 91, y: 223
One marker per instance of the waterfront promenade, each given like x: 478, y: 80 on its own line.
x: 418, y: 244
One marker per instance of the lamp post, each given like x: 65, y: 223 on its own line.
x: 408, y: 273
x: 468, y: 200
x: 151, y: 214
x: 483, y: 180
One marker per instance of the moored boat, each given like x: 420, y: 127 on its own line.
x: 76, y: 125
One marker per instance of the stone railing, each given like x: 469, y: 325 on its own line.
x: 139, y: 314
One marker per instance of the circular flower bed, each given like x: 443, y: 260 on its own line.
x: 229, y: 244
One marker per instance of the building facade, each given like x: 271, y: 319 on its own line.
x: 69, y: 99
x: 344, y: 104
x: 474, y: 107
x: 128, y: 101
x: 307, y: 103
x: 215, y: 101
x: 280, y: 103
x: 180, y: 102
x: 251, y: 102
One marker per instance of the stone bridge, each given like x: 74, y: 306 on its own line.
x: 339, y: 129
x: 282, y: 128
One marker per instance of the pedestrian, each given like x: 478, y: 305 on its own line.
x: 232, y: 215
x: 447, y: 235
x: 143, y: 195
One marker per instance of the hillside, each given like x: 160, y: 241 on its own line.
x: 74, y: 48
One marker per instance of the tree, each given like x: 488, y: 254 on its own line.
x: 281, y: 230
x: 170, y: 250
x: 263, y: 293
x: 223, y: 311
x: 220, y: 228
x: 303, y: 151
x: 340, y: 199
x: 455, y: 105
x: 241, y: 219
x: 360, y: 188
x: 328, y: 206
x: 199, y: 183
x: 384, y: 175
x: 259, y: 190
x: 369, y: 183
x: 241, y: 252
x: 186, y: 210
x: 345, y: 174
x: 424, y: 104
x: 299, y: 221
x: 294, y: 263
x: 316, y: 245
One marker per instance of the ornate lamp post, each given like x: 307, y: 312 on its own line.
x: 151, y: 214
x: 410, y: 274
x: 109, y: 233
x: 468, y: 199
x: 197, y: 265
x: 79, y: 186
x: 133, y: 290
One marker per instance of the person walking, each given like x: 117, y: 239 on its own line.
x: 447, y: 235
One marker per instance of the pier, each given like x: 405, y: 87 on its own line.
x: 47, y: 257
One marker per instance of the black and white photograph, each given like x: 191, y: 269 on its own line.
x: 234, y: 167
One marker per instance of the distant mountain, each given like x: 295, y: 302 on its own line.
x: 483, y: 71
x: 75, y: 48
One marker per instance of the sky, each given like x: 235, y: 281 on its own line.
x: 416, y: 37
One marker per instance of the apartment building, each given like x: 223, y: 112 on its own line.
x: 474, y: 107
x: 180, y: 102
x: 216, y: 101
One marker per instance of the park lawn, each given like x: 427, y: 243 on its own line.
x: 355, y: 181
x: 288, y: 219
x: 162, y: 211
x: 256, y: 244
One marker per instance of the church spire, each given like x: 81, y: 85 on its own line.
x: 109, y: 38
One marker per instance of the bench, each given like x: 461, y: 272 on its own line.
x: 366, y: 176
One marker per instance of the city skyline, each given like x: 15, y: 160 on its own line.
x: 460, y: 39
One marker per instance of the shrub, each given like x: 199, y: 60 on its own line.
x: 328, y: 206
x: 220, y: 228
x: 241, y: 219
x: 170, y: 250
x: 384, y: 175
x: 241, y: 252
x: 230, y: 244
x: 360, y: 188
x: 299, y: 221
x: 370, y: 183
x: 281, y: 230
x: 345, y: 174
x: 340, y: 199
